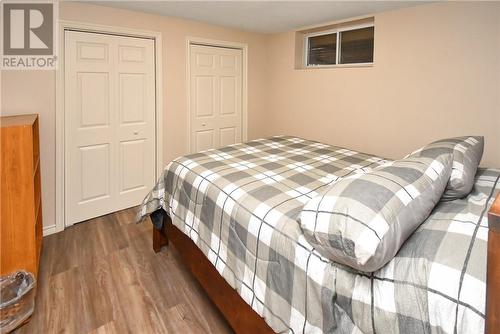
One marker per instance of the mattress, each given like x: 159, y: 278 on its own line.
x: 240, y: 205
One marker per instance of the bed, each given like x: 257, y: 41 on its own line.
x: 233, y: 213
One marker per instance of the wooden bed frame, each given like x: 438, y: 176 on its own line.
x: 493, y: 278
x: 243, y: 319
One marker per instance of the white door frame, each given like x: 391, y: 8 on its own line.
x: 244, y: 85
x: 64, y: 25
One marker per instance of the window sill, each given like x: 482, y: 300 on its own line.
x: 311, y: 67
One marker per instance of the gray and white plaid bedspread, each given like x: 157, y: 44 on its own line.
x: 240, y: 206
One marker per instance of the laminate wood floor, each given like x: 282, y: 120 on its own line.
x: 102, y: 276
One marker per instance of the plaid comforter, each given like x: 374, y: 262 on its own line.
x: 240, y: 205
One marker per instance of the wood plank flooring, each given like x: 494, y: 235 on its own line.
x: 102, y: 276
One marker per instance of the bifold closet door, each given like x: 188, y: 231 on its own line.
x: 109, y: 123
x: 215, y: 97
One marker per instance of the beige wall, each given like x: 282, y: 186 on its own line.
x: 436, y: 74
x: 34, y: 91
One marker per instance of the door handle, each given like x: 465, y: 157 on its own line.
x: 203, y: 124
x: 136, y: 133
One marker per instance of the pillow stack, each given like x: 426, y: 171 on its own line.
x: 467, y: 153
x: 362, y: 221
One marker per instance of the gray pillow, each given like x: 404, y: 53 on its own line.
x: 362, y: 220
x: 467, y: 153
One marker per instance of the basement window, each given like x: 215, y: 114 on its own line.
x: 346, y: 45
x: 322, y: 49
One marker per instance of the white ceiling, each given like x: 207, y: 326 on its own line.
x: 261, y: 16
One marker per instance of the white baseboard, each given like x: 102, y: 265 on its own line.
x: 48, y: 230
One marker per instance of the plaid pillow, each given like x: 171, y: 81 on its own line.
x: 362, y: 220
x: 467, y: 153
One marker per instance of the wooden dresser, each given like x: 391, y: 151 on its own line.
x: 21, y: 205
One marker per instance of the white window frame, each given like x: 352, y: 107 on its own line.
x: 338, y: 46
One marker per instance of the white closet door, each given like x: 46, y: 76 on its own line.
x: 215, y: 97
x: 109, y: 123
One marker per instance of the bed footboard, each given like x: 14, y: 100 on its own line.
x: 493, y: 278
